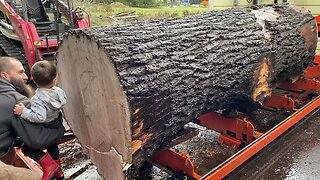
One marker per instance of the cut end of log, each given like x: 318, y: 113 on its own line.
x: 262, y: 89
x: 97, y: 108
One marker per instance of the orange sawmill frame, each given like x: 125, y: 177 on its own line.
x: 243, y: 155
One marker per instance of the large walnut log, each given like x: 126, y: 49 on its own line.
x: 131, y: 87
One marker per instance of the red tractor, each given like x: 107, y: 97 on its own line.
x: 31, y: 30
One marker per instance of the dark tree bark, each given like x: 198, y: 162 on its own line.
x: 131, y: 87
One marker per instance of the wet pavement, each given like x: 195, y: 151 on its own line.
x: 296, y: 155
x: 76, y: 165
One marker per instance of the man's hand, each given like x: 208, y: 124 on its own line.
x: 18, y: 108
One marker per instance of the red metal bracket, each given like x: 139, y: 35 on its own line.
x: 302, y: 84
x: 179, y: 163
x: 308, y: 82
x: 313, y: 71
x: 280, y: 102
x: 234, y: 132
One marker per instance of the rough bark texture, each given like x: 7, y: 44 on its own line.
x: 131, y: 87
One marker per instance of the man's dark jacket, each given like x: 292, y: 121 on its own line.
x: 33, y: 135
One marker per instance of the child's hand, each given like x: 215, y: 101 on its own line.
x: 18, y: 108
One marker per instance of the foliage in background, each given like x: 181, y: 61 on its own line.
x: 195, y: 1
x: 103, y: 14
x: 133, y: 3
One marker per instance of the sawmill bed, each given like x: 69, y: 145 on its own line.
x: 205, y: 150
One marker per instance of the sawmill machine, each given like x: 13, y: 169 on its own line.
x: 31, y: 30
x: 292, y: 103
x: 293, y: 100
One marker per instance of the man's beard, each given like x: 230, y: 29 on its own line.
x: 21, y: 87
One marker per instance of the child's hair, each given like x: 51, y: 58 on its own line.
x: 43, y: 73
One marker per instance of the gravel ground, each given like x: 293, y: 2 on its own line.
x: 75, y: 163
